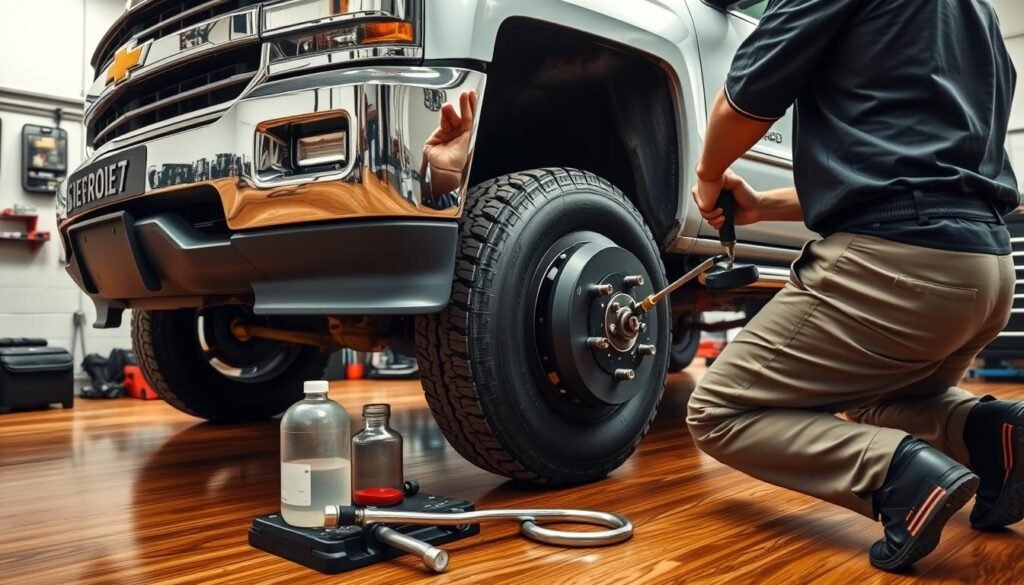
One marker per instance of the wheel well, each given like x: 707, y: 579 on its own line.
x: 560, y: 97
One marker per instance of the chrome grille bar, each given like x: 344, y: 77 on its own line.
x: 162, y: 70
x: 240, y: 79
x: 179, y: 17
x: 145, y: 11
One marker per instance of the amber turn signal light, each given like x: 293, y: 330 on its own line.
x: 388, y: 32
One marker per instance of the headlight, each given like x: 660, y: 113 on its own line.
x: 284, y: 17
x: 302, y: 28
x: 350, y: 37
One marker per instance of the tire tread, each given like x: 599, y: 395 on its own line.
x: 455, y: 371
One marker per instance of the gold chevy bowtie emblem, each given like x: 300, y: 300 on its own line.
x: 124, y: 61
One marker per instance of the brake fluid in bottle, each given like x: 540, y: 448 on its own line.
x: 377, y: 460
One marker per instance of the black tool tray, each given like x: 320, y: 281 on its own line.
x: 338, y: 550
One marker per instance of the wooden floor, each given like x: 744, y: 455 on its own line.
x: 134, y: 492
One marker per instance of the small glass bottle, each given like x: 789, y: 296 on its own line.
x: 377, y: 478
x: 315, y: 459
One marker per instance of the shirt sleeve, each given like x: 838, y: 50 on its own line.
x: 775, y: 62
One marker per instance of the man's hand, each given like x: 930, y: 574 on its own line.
x: 748, y: 201
x: 447, y: 150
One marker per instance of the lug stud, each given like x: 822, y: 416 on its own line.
x: 635, y: 280
x: 597, y: 342
x: 604, y: 289
x: 612, y: 328
x: 647, y: 349
x: 615, y: 307
x: 624, y: 375
x: 633, y: 323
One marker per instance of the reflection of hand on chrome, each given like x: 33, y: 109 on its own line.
x: 447, y: 149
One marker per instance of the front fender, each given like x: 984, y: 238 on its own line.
x: 663, y: 29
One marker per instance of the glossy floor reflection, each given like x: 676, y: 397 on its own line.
x: 134, y: 492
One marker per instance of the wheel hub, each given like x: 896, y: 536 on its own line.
x: 594, y: 348
x: 621, y: 325
x: 244, y: 360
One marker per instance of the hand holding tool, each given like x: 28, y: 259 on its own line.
x: 727, y: 235
x: 733, y: 275
x: 718, y: 278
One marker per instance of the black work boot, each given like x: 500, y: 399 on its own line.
x: 923, y: 489
x: 994, y: 435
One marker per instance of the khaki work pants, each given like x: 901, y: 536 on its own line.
x: 880, y: 330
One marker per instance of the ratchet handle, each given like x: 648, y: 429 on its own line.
x: 727, y: 202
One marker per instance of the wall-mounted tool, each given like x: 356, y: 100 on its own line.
x: 44, y: 158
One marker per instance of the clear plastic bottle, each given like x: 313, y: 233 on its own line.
x: 377, y: 477
x: 315, y: 460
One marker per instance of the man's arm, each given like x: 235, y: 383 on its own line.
x: 754, y: 206
x: 780, y: 205
x: 729, y: 135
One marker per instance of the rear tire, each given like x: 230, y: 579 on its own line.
x: 685, y: 343
x: 168, y: 349
x: 479, y: 359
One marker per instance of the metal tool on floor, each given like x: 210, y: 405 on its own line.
x: 346, y: 548
x: 355, y: 537
x: 619, y: 529
x: 718, y: 278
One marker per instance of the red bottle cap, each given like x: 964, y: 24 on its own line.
x: 377, y: 497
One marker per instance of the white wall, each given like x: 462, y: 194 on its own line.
x: 45, y: 46
x: 1011, y: 18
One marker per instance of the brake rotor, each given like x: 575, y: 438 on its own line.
x: 594, y: 349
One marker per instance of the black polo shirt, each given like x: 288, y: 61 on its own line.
x: 892, y: 97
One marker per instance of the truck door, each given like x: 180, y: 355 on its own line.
x: 769, y: 164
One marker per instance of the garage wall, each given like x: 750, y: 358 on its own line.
x: 1011, y: 18
x: 42, y: 69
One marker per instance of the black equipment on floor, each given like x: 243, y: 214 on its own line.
x: 106, y: 374
x: 350, y: 547
x: 35, y: 377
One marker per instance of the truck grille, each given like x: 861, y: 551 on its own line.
x: 214, y: 78
x: 154, y: 19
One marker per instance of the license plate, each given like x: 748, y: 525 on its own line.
x: 113, y: 177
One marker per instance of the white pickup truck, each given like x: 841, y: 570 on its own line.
x: 483, y: 183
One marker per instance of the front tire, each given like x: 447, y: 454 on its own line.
x: 177, y: 354
x: 483, y: 363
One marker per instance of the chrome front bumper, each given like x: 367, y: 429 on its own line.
x: 283, y: 245
x: 391, y: 112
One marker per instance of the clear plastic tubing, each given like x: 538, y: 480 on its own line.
x: 315, y: 459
